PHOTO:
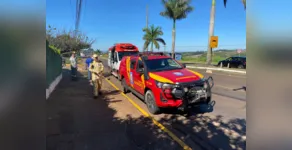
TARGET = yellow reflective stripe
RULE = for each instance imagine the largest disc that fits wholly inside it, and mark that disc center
(159, 78)
(143, 81)
(196, 73)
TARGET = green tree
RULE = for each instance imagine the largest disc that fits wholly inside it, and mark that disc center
(98, 51)
(176, 10)
(152, 36)
(68, 41)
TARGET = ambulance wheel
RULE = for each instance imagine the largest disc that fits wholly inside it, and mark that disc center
(151, 102)
(125, 87)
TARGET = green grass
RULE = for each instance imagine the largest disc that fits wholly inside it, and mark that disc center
(201, 57)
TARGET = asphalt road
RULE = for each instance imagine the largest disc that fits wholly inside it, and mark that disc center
(224, 127)
(227, 84)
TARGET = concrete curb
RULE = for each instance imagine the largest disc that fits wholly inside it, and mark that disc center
(53, 86)
(218, 69)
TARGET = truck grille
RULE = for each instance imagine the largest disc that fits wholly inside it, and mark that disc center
(190, 85)
(192, 89)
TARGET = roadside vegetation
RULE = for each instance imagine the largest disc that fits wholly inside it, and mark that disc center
(201, 56)
(66, 41)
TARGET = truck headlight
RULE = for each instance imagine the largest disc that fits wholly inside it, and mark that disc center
(164, 85)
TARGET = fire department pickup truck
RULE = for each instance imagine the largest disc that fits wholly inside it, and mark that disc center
(162, 82)
(116, 53)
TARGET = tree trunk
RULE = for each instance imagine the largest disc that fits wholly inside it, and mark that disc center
(173, 39)
(211, 33)
(151, 46)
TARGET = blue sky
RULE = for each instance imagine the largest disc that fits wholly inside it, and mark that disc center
(112, 21)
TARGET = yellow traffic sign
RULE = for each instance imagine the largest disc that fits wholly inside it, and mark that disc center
(214, 41)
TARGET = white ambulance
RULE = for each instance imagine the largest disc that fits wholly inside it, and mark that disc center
(117, 52)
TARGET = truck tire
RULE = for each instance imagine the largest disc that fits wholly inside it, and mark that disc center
(125, 86)
(151, 103)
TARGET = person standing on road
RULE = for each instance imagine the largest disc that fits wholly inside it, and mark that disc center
(96, 68)
(88, 61)
(73, 63)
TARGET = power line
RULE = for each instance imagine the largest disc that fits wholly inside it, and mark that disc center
(78, 12)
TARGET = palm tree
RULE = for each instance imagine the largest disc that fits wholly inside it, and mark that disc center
(211, 27)
(243, 2)
(176, 10)
(152, 36)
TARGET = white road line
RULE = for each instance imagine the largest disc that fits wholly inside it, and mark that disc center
(218, 69)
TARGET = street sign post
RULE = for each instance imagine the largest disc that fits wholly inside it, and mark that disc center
(214, 41)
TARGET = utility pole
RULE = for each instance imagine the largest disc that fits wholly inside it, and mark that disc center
(211, 32)
(147, 20)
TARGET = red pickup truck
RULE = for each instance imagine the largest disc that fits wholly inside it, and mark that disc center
(162, 82)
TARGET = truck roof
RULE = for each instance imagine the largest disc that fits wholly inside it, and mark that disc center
(122, 47)
(151, 55)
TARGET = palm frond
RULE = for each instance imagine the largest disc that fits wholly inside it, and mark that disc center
(146, 44)
(152, 36)
(160, 40)
(176, 9)
(156, 44)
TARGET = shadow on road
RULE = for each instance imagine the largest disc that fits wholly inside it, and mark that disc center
(76, 121)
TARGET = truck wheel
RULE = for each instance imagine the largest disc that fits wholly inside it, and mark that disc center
(151, 102)
(125, 87)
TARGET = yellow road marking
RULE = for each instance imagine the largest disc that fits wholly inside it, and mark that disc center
(162, 127)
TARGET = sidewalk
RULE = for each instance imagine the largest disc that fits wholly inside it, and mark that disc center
(76, 121)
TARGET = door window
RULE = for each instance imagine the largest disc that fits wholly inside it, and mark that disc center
(140, 64)
(132, 63)
(229, 59)
(115, 57)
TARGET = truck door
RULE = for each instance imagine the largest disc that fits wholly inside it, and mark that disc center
(139, 78)
(131, 71)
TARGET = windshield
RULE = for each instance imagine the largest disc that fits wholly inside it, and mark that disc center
(122, 54)
(162, 64)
